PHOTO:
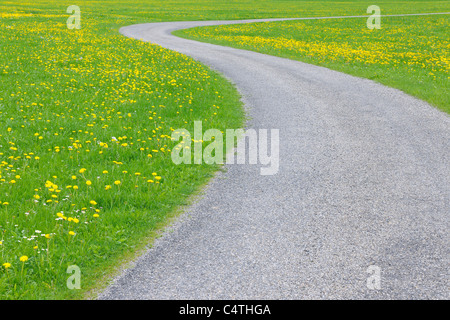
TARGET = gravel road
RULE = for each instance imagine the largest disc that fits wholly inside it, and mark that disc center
(363, 180)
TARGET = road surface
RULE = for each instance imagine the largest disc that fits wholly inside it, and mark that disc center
(363, 186)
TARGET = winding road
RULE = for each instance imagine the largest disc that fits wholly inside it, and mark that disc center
(363, 180)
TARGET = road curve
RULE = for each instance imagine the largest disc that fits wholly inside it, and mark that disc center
(363, 181)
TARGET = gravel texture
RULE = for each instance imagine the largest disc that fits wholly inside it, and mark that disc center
(363, 180)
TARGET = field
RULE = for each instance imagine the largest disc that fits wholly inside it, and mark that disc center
(86, 176)
(408, 53)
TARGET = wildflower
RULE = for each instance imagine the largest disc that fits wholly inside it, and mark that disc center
(71, 233)
(23, 258)
(7, 265)
(117, 182)
(82, 170)
(92, 202)
(89, 182)
(96, 215)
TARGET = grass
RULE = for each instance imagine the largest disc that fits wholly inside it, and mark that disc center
(408, 53)
(85, 146)
(86, 176)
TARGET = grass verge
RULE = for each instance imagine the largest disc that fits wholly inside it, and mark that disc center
(85, 146)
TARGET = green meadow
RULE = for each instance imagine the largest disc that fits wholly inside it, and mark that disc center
(409, 53)
(86, 176)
